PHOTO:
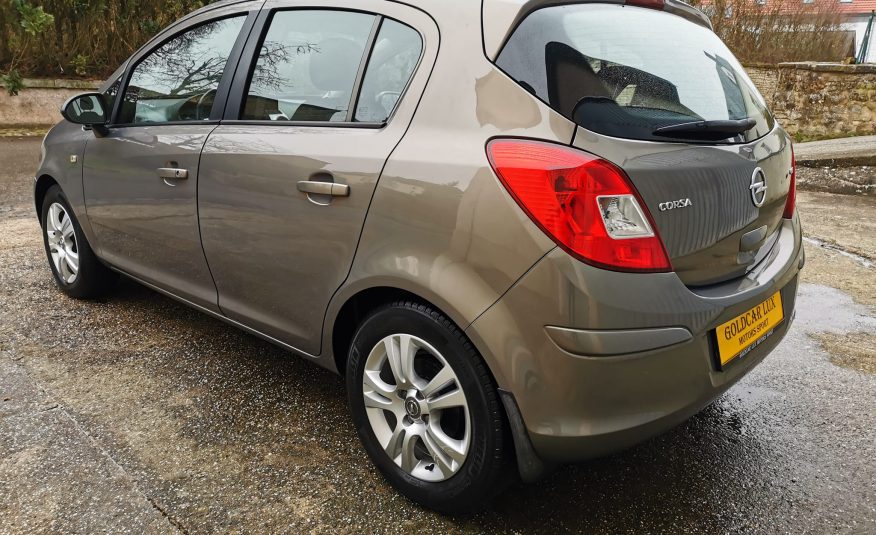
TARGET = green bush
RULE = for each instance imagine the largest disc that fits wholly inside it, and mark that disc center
(85, 38)
(13, 82)
(90, 38)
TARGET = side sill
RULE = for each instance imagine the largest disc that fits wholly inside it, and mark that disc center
(235, 323)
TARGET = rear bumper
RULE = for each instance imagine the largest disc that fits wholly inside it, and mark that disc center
(624, 356)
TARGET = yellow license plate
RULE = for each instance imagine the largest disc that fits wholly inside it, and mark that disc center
(747, 330)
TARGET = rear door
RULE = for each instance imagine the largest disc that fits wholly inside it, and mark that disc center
(286, 179)
(140, 179)
(716, 198)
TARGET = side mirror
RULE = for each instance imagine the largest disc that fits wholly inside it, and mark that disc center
(86, 109)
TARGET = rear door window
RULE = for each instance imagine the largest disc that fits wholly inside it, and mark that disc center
(626, 71)
(307, 66)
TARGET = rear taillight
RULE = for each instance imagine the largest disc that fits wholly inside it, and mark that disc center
(791, 203)
(585, 204)
(652, 4)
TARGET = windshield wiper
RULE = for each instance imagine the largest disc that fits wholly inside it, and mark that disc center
(710, 130)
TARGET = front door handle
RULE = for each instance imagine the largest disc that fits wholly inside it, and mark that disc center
(324, 188)
(172, 172)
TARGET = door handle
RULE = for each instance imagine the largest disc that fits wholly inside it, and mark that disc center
(324, 188)
(172, 172)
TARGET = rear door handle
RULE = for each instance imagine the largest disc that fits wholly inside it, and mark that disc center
(172, 172)
(324, 188)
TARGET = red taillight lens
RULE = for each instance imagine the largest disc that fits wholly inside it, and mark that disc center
(651, 4)
(791, 203)
(585, 204)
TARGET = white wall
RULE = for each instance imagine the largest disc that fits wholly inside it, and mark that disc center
(859, 24)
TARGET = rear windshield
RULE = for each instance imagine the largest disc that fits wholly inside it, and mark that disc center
(626, 71)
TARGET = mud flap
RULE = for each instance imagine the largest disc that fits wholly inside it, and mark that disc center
(531, 467)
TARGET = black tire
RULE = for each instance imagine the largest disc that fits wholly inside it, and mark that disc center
(93, 279)
(488, 467)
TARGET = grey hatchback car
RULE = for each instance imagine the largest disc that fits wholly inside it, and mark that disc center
(528, 232)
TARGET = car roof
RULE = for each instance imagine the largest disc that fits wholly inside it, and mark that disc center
(213, 5)
(501, 17)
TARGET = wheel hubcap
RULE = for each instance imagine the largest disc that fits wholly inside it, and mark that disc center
(62, 243)
(416, 407)
(412, 407)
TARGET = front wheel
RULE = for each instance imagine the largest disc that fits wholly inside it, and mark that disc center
(426, 409)
(75, 267)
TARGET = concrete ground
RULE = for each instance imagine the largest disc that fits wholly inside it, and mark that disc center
(136, 414)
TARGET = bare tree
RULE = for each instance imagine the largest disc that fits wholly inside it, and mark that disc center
(780, 30)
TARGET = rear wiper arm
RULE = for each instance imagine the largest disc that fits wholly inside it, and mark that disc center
(711, 130)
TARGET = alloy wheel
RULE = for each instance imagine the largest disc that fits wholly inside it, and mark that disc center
(62, 243)
(416, 407)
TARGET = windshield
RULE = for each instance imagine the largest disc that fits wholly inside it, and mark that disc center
(626, 71)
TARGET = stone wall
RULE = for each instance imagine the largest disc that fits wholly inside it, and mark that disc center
(811, 100)
(38, 103)
(820, 100)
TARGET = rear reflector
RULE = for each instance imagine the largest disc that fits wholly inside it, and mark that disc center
(585, 204)
(791, 203)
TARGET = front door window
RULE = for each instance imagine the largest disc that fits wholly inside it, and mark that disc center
(178, 81)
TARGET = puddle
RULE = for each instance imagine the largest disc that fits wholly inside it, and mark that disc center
(866, 262)
(843, 329)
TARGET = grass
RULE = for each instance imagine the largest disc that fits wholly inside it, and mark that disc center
(26, 130)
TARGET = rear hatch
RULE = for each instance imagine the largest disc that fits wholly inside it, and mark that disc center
(664, 99)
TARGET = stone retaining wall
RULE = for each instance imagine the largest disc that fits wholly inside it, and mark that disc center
(820, 100)
(811, 100)
(38, 103)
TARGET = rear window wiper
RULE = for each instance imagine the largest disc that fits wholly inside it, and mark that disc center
(710, 130)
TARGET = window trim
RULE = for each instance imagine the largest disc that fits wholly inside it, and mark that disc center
(320, 124)
(363, 65)
(249, 57)
(222, 90)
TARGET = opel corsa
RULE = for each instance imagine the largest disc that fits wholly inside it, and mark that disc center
(527, 232)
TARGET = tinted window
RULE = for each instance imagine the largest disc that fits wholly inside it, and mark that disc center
(625, 71)
(307, 66)
(178, 81)
(393, 59)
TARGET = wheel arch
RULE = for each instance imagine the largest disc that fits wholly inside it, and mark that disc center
(356, 308)
(42, 185)
(362, 302)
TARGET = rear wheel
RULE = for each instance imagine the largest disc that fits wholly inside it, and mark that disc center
(426, 409)
(76, 269)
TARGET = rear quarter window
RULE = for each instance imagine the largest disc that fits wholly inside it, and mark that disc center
(394, 58)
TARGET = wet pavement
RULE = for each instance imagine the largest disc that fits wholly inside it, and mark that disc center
(136, 414)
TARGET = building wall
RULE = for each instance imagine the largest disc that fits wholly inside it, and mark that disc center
(858, 23)
(818, 100)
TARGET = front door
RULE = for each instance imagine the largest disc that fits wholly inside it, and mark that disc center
(141, 179)
(286, 182)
